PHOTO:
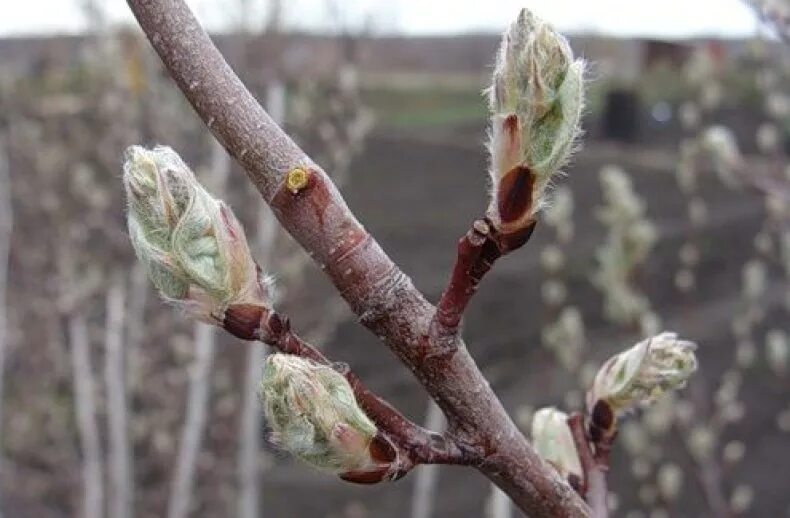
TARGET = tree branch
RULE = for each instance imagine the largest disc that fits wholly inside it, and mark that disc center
(478, 249)
(415, 444)
(381, 295)
(594, 484)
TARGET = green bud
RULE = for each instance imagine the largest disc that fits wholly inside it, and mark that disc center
(536, 100)
(641, 374)
(552, 439)
(192, 246)
(313, 414)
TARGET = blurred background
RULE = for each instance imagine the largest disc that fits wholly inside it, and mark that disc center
(675, 214)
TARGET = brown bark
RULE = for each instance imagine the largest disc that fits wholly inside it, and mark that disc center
(382, 296)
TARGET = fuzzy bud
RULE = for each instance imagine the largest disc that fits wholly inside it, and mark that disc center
(553, 441)
(639, 375)
(536, 100)
(314, 415)
(190, 243)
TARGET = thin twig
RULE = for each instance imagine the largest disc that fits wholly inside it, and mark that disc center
(85, 403)
(593, 486)
(415, 444)
(120, 458)
(478, 249)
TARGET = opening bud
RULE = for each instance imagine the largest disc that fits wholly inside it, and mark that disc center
(641, 374)
(553, 441)
(536, 100)
(313, 414)
(191, 244)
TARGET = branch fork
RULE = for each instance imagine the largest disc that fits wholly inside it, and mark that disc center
(482, 434)
(401, 443)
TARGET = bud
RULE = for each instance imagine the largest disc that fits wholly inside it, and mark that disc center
(314, 415)
(553, 441)
(536, 100)
(644, 372)
(193, 248)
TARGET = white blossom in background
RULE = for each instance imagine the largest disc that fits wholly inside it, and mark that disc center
(720, 144)
(755, 280)
(777, 351)
(701, 442)
(553, 292)
(552, 259)
(777, 105)
(670, 481)
(630, 239)
(733, 452)
(566, 338)
(689, 115)
(768, 139)
(741, 499)
(559, 213)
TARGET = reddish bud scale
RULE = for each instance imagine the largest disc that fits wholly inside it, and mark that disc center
(244, 321)
(602, 429)
(514, 194)
(382, 451)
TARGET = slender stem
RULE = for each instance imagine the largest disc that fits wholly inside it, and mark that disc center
(382, 296)
(594, 485)
(576, 424)
(416, 444)
(478, 249)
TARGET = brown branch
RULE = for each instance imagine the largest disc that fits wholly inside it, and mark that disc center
(382, 296)
(415, 445)
(593, 486)
(478, 249)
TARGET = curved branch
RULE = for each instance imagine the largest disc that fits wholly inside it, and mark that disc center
(415, 444)
(381, 295)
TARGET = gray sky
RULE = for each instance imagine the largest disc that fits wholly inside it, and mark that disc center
(671, 18)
